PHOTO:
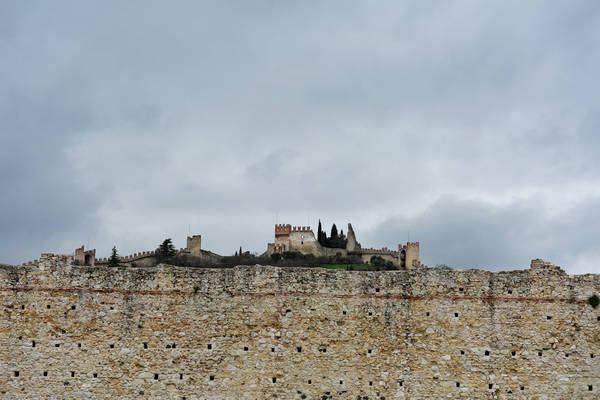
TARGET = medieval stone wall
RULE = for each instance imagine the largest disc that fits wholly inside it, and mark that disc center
(299, 333)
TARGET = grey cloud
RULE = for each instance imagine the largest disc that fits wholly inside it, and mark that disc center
(140, 119)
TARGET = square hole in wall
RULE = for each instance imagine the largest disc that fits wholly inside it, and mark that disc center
(57, 345)
(370, 383)
(456, 315)
(592, 355)
(209, 346)
(48, 306)
(370, 313)
(155, 377)
(369, 351)
(461, 289)
(590, 388)
(539, 353)
(112, 346)
(457, 384)
(299, 349)
(272, 349)
(72, 374)
(45, 373)
(72, 307)
(274, 380)
(341, 382)
(309, 382)
(548, 317)
(95, 375)
(16, 373)
(180, 376)
(427, 313)
(344, 312)
(212, 377)
(491, 386)
(22, 307)
(462, 352)
(522, 387)
(509, 291)
(145, 345)
(513, 353)
(245, 348)
(377, 290)
(78, 344)
(487, 352)
(33, 343)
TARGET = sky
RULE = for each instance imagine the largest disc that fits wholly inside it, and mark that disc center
(472, 127)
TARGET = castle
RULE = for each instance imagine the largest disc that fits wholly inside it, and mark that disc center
(302, 239)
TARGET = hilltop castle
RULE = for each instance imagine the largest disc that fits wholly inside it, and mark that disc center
(302, 239)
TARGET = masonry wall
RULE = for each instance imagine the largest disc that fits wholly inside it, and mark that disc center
(267, 332)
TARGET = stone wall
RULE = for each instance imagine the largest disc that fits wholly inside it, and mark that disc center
(299, 333)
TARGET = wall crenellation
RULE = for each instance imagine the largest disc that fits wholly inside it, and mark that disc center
(267, 332)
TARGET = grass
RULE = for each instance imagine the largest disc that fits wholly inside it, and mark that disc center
(344, 266)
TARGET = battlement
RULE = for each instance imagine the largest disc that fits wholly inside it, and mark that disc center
(282, 229)
(301, 229)
(383, 250)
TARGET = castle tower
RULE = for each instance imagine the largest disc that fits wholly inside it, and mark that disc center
(194, 245)
(83, 257)
(412, 255)
(351, 245)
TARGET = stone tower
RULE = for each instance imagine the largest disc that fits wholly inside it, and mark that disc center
(351, 245)
(194, 245)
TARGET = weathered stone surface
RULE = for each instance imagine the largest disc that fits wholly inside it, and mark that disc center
(266, 332)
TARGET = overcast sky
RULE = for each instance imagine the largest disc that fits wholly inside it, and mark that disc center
(472, 126)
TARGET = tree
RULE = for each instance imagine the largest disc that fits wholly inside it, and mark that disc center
(334, 232)
(321, 236)
(166, 249)
(275, 257)
(113, 260)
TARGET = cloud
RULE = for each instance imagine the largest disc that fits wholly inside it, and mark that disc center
(128, 123)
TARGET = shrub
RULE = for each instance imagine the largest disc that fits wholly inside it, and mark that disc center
(594, 301)
(275, 257)
(291, 255)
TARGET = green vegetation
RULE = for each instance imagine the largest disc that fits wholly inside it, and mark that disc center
(381, 263)
(351, 267)
(113, 261)
(166, 249)
(594, 301)
(335, 240)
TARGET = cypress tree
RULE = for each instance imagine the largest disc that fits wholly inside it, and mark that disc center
(334, 232)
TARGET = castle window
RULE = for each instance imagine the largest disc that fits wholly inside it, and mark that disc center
(299, 349)
(370, 313)
(57, 345)
(457, 384)
(590, 388)
(455, 315)
(369, 351)
(513, 353)
(487, 352)
(45, 373)
(309, 382)
(17, 374)
(274, 379)
(112, 346)
(48, 306)
(377, 290)
(344, 312)
(566, 354)
(491, 386)
(245, 348)
(370, 383)
(272, 349)
(212, 377)
(95, 375)
(427, 313)
(522, 387)
(209, 346)
(341, 382)
(72, 307)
